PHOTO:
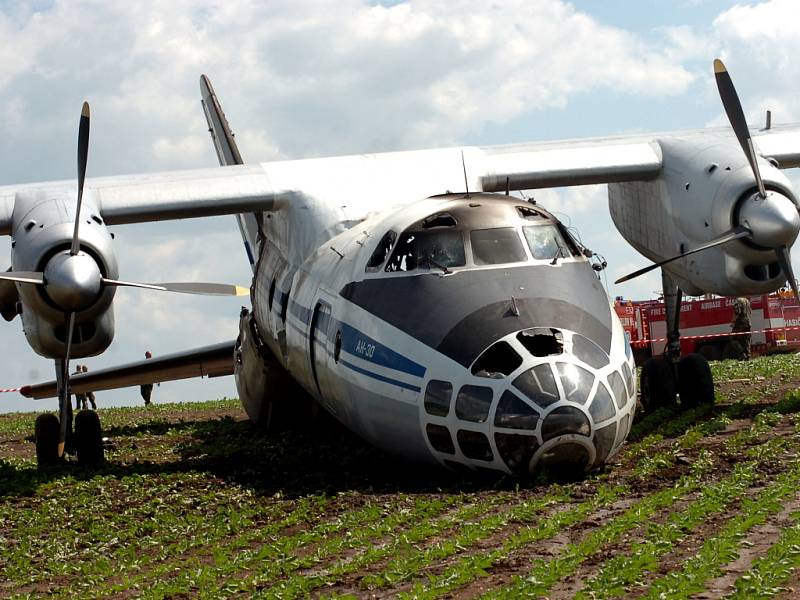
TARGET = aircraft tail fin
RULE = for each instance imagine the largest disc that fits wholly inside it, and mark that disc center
(228, 154)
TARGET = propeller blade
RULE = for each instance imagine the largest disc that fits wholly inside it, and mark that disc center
(733, 108)
(33, 277)
(785, 261)
(64, 400)
(83, 155)
(733, 234)
(204, 289)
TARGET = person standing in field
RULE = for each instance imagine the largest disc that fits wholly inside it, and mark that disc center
(741, 325)
(147, 388)
(88, 395)
(80, 399)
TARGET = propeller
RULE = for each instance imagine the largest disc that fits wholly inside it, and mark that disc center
(71, 266)
(734, 234)
(73, 281)
(768, 219)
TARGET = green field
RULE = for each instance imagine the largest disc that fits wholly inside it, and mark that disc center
(194, 501)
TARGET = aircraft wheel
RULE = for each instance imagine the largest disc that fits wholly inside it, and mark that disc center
(88, 438)
(657, 384)
(733, 351)
(695, 383)
(46, 434)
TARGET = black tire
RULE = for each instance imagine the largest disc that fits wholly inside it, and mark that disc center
(46, 433)
(695, 383)
(657, 384)
(710, 352)
(733, 351)
(88, 438)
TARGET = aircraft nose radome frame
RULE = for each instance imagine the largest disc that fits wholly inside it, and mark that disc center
(568, 407)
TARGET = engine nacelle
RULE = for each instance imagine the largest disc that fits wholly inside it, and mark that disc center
(706, 188)
(42, 231)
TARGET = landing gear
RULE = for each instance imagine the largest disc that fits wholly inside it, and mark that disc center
(88, 438)
(657, 384)
(695, 383)
(664, 376)
(46, 433)
(55, 437)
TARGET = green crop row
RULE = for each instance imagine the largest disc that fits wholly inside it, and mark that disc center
(466, 535)
(475, 565)
(266, 563)
(768, 572)
(724, 547)
(302, 584)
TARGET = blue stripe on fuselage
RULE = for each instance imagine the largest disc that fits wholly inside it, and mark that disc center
(360, 345)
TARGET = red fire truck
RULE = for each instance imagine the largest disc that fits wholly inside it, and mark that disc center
(706, 326)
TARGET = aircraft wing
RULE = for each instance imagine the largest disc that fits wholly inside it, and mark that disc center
(209, 361)
(262, 187)
(160, 196)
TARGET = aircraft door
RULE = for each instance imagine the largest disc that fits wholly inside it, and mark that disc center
(318, 342)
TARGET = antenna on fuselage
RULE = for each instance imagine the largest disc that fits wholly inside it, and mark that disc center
(464, 167)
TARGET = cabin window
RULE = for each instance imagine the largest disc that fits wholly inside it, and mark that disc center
(576, 381)
(496, 246)
(539, 385)
(526, 212)
(565, 420)
(589, 352)
(497, 361)
(602, 407)
(618, 387)
(604, 441)
(516, 450)
(628, 378)
(381, 252)
(541, 341)
(546, 242)
(440, 439)
(434, 250)
(474, 445)
(473, 402)
(437, 398)
(514, 413)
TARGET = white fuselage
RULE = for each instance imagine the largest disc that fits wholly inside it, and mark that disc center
(368, 342)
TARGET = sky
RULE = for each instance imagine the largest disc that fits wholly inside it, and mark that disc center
(312, 78)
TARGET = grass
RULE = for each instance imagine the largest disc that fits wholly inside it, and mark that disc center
(194, 501)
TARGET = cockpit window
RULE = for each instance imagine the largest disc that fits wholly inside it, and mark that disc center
(381, 252)
(546, 242)
(439, 220)
(496, 246)
(427, 250)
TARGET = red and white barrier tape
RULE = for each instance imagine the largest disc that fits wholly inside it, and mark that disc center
(716, 335)
(9, 390)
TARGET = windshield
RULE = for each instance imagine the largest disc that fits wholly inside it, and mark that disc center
(546, 242)
(496, 246)
(427, 250)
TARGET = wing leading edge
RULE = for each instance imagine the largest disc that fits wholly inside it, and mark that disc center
(249, 188)
(209, 361)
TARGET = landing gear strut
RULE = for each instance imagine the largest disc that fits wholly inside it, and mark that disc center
(664, 376)
(55, 437)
